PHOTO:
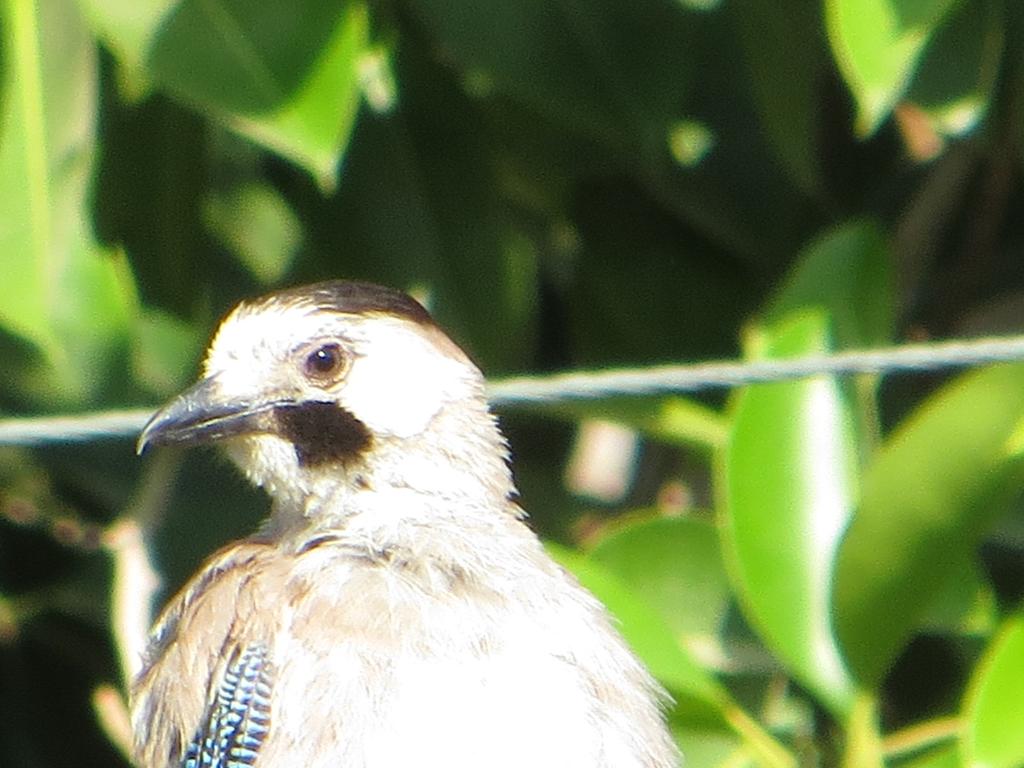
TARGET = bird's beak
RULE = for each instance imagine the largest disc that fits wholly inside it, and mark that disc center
(201, 414)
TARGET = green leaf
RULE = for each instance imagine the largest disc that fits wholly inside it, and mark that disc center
(284, 77)
(958, 70)
(701, 701)
(942, 757)
(94, 316)
(847, 273)
(925, 499)
(787, 480)
(876, 44)
(675, 566)
(256, 224)
(59, 292)
(966, 604)
(994, 707)
(164, 352)
(128, 27)
(313, 126)
(32, 141)
(699, 695)
(705, 747)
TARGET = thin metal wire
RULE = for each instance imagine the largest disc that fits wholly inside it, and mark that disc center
(577, 385)
(717, 375)
(100, 425)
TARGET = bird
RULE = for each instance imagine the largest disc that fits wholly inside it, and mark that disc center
(395, 608)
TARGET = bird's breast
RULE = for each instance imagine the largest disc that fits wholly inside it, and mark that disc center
(414, 664)
(380, 658)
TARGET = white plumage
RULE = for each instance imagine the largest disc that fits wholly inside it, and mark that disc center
(395, 607)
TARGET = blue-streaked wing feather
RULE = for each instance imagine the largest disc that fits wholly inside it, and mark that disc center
(239, 717)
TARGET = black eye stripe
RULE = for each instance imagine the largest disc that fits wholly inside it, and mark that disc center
(322, 432)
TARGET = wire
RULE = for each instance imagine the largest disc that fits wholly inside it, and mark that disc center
(717, 375)
(100, 425)
(577, 385)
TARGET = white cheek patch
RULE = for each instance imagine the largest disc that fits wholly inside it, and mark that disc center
(399, 380)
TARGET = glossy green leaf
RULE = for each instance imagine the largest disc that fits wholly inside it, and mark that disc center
(700, 700)
(787, 480)
(59, 291)
(876, 44)
(942, 757)
(965, 604)
(675, 565)
(696, 691)
(706, 747)
(35, 136)
(128, 27)
(846, 272)
(925, 499)
(958, 70)
(994, 707)
(313, 124)
(285, 77)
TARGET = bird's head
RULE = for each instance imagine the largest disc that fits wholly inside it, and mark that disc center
(339, 385)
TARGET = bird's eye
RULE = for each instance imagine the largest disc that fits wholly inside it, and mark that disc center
(325, 363)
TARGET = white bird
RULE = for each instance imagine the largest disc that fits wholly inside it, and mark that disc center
(395, 610)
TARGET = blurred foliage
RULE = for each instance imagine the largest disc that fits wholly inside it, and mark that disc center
(821, 572)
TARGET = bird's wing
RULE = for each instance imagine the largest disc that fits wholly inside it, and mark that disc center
(239, 717)
(203, 698)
